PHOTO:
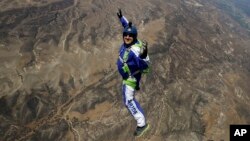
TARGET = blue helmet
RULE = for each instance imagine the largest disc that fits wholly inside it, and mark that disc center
(130, 30)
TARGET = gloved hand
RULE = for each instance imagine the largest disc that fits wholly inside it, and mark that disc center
(119, 13)
(144, 50)
(144, 43)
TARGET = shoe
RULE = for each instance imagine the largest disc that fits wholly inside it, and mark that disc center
(141, 130)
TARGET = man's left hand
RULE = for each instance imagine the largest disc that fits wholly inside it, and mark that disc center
(119, 13)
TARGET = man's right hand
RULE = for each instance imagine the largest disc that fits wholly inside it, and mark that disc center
(119, 13)
(144, 50)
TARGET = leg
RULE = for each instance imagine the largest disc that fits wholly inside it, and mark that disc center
(132, 105)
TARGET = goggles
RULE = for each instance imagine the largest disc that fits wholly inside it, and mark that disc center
(128, 34)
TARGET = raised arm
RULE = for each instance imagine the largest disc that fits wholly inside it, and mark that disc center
(122, 18)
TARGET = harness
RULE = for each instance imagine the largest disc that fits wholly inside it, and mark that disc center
(124, 61)
(131, 81)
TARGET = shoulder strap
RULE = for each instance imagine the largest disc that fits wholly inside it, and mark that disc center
(124, 58)
(139, 43)
(125, 55)
(140, 49)
(136, 48)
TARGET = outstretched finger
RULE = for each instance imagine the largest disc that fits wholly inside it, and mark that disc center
(120, 11)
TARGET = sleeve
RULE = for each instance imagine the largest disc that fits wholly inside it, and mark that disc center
(124, 21)
(141, 63)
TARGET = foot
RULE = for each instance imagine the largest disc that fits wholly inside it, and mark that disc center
(141, 130)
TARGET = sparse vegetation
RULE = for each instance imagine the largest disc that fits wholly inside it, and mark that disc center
(237, 12)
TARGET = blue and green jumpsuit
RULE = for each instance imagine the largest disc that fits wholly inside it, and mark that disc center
(131, 66)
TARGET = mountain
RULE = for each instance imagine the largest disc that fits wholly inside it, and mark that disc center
(59, 81)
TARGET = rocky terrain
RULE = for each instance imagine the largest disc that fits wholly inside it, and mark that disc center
(58, 77)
